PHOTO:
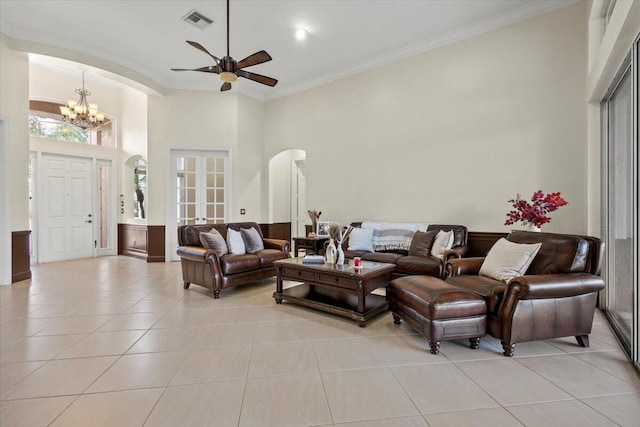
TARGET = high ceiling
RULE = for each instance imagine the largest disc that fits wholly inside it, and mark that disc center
(344, 36)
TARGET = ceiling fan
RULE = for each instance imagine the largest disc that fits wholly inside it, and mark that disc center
(229, 69)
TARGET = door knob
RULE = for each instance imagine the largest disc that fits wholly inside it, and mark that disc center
(88, 221)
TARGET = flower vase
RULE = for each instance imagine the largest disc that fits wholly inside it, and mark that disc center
(532, 227)
(330, 252)
(340, 256)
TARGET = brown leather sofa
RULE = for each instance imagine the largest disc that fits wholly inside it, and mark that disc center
(203, 267)
(555, 298)
(411, 265)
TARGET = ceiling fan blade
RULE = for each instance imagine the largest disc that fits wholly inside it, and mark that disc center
(255, 59)
(226, 86)
(209, 69)
(201, 48)
(257, 78)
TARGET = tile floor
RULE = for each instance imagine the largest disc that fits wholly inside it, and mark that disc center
(117, 342)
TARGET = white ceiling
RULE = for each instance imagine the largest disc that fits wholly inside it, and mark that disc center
(344, 36)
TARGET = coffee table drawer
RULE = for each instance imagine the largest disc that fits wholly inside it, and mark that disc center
(296, 274)
(328, 279)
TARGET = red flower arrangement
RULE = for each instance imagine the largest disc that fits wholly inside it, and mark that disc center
(535, 212)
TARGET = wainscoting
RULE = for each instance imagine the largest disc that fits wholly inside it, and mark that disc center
(20, 256)
(277, 230)
(142, 241)
(480, 242)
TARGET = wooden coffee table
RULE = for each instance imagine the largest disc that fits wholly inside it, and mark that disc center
(336, 289)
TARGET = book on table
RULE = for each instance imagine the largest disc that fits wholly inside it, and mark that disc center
(313, 259)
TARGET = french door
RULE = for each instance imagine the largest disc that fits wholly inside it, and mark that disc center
(200, 189)
(621, 193)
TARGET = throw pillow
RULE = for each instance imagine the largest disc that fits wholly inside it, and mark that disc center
(235, 242)
(442, 243)
(252, 240)
(213, 240)
(361, 239)
(507, 260)
(422, 242)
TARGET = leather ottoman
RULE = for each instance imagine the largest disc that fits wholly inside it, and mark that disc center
(438, 310)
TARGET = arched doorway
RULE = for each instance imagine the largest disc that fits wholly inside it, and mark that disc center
(287, 190)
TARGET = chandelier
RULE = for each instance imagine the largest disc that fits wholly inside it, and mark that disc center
(80, 113)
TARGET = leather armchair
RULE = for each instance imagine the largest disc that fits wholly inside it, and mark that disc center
(555, 298)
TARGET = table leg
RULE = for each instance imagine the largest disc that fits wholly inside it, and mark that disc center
(278, 286)
(295, 249)
(360, 297)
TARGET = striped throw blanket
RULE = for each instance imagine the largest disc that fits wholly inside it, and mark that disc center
(393, 236)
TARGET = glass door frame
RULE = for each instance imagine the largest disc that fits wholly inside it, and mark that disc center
(630, 68)
(111, 209)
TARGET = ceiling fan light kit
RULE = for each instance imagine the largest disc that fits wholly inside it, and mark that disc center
(229, 69)
(228, 77)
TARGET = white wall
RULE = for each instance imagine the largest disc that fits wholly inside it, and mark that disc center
(14, 107)
(185, 120)
(450, 135)
(133, 128)
(248, 161)
(280, 187)
(205, 121)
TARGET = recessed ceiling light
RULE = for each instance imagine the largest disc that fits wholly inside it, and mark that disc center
(301, 34)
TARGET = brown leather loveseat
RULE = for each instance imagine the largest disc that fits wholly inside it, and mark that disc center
(204, 267)
(555, 298)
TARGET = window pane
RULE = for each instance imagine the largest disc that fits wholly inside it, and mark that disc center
(191, 179)
(190, 163)
(191, 211)
(191, 195)
(104, 207)
(621, 212)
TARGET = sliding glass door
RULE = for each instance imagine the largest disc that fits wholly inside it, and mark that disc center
(620, 203)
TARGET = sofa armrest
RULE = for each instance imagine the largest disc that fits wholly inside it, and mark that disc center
(555, 285)
(193, 253)
(281, 245)
(457, 252)
(467, 266)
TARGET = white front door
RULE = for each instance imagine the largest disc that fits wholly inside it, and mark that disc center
(65, 229)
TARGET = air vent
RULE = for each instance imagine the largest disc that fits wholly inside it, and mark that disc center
(197, 19)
